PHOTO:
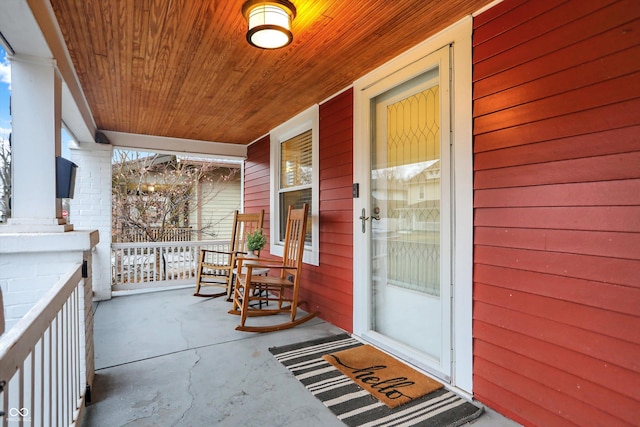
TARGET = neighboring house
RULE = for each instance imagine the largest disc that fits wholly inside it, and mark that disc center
(531, 303)
(167, 197)
(221, 195)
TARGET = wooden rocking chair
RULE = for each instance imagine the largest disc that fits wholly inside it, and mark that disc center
(215, 268)
(283, 289)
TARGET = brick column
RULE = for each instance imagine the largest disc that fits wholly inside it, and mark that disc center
(91, 207)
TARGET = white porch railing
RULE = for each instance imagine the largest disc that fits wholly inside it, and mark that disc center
(155, 264)
(42, 360)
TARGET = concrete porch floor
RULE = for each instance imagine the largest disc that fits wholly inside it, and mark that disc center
(171, 359)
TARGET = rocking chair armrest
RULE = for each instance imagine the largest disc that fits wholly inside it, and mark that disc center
(278, 266)
(213, 251)
(259, 262)
(249, 268)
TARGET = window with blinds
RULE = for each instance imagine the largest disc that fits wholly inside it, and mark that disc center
(296, 161)
(294, 180)
(296, 177)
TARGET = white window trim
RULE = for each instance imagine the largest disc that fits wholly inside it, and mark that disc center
(308, 119)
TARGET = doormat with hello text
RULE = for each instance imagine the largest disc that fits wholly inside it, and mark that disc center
(382, 375)
(356, 406)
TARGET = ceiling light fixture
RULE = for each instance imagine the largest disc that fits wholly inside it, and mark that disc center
(269, 23)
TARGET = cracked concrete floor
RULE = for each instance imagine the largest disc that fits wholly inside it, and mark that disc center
(170, 359)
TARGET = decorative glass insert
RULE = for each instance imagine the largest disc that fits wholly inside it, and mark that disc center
(409, 183)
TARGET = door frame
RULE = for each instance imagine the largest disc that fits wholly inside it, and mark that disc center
(395, 87)
(398, 70)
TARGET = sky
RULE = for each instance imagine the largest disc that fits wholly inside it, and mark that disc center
(5, 85)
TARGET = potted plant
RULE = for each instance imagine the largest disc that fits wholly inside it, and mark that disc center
(256, 241)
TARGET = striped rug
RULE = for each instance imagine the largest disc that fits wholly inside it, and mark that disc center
(355, 406)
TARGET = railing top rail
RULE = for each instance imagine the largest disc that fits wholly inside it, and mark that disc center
(18, 341)
(168, 244)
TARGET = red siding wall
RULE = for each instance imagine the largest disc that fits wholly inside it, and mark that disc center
(329, 286)
(256, 181)
(557, 211)
(333, 279)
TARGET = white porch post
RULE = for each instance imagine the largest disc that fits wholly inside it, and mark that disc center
(36, 103)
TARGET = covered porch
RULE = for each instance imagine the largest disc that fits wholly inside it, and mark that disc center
(539, 196)
(167, 358)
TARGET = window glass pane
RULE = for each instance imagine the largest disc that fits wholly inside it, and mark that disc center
(295, 161)
(297, 199)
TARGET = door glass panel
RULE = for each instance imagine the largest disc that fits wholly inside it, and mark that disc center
(406, 194)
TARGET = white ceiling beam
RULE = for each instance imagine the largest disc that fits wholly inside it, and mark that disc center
(176, 145)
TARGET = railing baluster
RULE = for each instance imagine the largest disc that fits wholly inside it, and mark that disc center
(154, 265)
(144, 264)
(175, 263)
(131, 262)
(167, 261)
(48, 417)
(151, 265)
(135, 265)
(122, 264)
(65, 363)
(5, 404)
(69, 362)
(56, 379)
(178, 263)
(75, 343)
(122, 261)
(161, 263)
(62, 407)
(53, 372)
(41, 377)
(20, 402)
(125, 262)
(32, 381)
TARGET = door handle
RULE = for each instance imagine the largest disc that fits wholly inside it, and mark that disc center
(364, 219)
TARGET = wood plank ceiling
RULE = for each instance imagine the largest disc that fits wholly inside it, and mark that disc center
(182, 68)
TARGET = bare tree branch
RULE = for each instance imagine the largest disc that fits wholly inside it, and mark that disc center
(5, 179)
(154, 196)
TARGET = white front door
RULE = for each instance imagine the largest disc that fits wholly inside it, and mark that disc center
(406, 215)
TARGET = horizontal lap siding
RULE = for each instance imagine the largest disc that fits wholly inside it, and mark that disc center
(333, 279)
(219, 199)
(328, 287)
(557, 211)
(256, 184)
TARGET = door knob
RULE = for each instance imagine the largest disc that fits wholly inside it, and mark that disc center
(376, 214)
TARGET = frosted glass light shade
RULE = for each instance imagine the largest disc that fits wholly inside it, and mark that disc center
(269, 23)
